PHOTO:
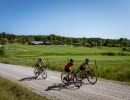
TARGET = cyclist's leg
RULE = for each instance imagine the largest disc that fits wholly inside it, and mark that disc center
(68, 74)
(39, 68)
(68, 71)
(82, 70)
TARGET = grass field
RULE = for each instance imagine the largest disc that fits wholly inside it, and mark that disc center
(14, 91)
(109, 67)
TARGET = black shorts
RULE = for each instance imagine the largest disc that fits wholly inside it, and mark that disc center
(82, 68)
(67, 70)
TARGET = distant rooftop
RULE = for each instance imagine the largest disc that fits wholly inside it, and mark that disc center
(36, 42)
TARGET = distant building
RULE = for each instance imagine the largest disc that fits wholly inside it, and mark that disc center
(87, 45)
(47, 43)
(36, 43)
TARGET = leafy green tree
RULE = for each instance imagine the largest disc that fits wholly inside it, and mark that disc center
(11, 41)
(3, 41)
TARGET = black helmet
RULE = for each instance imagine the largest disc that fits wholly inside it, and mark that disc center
(87, 60)
(71, 60)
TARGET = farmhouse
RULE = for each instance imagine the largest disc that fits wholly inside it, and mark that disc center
(47, 43)
(39, 43)
(87, 45)
(36, 43)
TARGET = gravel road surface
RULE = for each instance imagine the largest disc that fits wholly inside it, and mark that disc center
(53, 88)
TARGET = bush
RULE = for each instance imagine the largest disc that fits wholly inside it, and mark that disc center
(109, 53)
(2, 51)
(129, 49)
(124, 49)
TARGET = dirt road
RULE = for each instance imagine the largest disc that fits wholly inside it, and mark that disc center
(53, 88)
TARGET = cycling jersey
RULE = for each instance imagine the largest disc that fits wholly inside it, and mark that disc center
(69, 65)
(39, 62)
(84, 64)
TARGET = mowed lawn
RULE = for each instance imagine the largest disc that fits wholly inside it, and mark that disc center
(56, 56)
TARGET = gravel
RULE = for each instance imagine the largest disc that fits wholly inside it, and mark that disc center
(53, 88)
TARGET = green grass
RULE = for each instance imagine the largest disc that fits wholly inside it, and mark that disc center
(13, 91)
(58, 50)
(109, 67)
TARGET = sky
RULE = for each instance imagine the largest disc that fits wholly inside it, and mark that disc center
(70, 18)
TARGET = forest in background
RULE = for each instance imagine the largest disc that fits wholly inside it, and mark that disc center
(61, 40)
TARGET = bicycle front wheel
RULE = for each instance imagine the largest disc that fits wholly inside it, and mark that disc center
(44, 74)
(92, 78)
(77, 81)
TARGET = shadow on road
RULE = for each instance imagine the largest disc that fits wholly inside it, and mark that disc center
(59, 86)
(84, 83)
(30, 78)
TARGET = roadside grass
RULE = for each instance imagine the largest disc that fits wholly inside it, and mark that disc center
(109, 67)
(13, 91)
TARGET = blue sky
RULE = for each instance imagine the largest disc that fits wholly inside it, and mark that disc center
(71, 18)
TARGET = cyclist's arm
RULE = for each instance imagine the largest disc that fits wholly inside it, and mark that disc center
(87, 68)
(72, 68)
(41, 63)
(90, 67)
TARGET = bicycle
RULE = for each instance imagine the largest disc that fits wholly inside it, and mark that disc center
(41, 71)
(72, 77)
(90, 75)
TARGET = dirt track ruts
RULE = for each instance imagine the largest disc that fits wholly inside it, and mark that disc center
(54, 89)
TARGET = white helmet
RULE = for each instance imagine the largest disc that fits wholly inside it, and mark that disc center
(40, 58)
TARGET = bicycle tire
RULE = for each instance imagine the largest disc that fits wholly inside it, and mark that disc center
(63, 76)
(44, 74)
(92, 78)
(77, 82)
(36, 73)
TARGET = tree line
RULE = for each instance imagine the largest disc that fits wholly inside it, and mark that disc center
(61, 40)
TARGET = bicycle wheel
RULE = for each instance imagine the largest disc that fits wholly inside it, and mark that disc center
(63, 78)
(77, 81)
(44, 74)
(92, 78)
(36, 73)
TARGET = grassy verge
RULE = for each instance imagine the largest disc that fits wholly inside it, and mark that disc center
(13, 91)
(111, 68)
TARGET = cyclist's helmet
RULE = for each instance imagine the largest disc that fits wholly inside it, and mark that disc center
(87, 60)
(40, 58)
(71, 60)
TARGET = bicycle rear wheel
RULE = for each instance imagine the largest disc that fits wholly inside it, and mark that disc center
(92, 78)
(77, 81)
(36, 73)
(44, 74)
(63, 78)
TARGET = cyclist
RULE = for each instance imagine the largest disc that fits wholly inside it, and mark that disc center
(39, 63)
(85, 66)
(68, 66)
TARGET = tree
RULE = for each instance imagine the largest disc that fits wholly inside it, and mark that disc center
(11, 41)
(3, 41)
(99, 43)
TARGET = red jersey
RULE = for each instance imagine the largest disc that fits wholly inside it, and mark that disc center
(69, 65)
